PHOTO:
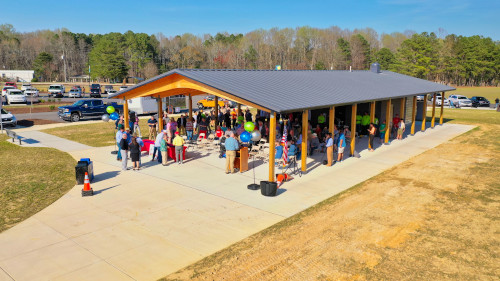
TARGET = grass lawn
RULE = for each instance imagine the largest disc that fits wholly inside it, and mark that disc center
(490, 93)
(31, 179)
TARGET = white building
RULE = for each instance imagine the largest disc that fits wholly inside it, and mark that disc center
(18, 75)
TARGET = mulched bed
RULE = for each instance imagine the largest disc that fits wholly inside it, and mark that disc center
(35, 109)
(31, 122)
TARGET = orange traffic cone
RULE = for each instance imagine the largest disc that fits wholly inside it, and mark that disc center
(87, 190)
(281, 178)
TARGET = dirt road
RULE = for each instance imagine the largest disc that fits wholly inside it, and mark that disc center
(434, 217)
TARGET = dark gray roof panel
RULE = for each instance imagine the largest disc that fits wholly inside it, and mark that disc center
(288, 90)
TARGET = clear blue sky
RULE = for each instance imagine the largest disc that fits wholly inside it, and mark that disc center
(463, 17)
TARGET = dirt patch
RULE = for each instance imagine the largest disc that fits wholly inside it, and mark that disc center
(433, 217)
(31, 122)
(35, 109)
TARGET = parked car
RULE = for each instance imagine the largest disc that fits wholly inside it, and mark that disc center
(209, 102)
(112, 92)
(86, 108)
(95, 91)
(439, 99)
(57, 91)
(6, 88)
(15, 95)
(123, 87)
(12, 84)
(75, 93)
(460, 100)
(420, 98)
(7, 118)
(25, 86)
(479, 101)
(108, 88)
(31, 92)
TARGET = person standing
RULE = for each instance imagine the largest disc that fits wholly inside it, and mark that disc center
(329, 148)
(181, 124)
(135, 153)
(313, 144)
(365, 122)
(497, 101)
(341, 146)
(371, 135)
(158, 140)
(189, 128)
(124, 150)
(178, 143)
(141, 145)
(382, 130)
(137, 129)
(248, 115)
(118, 137)
(395, 125)
(163, 157)
(401, 129)
(232, 146)
(202, 127)
(152, 127)
(234, 115)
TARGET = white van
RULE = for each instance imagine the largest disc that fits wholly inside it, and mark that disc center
(25, 86)
(144, 105)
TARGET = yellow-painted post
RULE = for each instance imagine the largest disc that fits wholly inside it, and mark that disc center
(160, 115)
(331, 120)
(216, 111)
(305, 133)
(442, 109)
(424, 113)
(125, 114)
(433, 110)
(190, 105)
(372, 112)
(387, 121)
(402, 108)
(413, 115)
(272, 148)
(354, 110)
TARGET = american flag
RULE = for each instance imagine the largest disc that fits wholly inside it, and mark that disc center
(285, 146)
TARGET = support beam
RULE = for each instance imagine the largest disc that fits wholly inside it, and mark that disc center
(331, 120)
(372, 111)
(190, 106)
(354, 110)
(433, 110)
(160, 115)
(125, 114)
(272, 148)
(305, 131)
(387, 121)
(442, 109)
(216, 107)
(239, 111)
(402, 108)
(424, 113)
(413, 115)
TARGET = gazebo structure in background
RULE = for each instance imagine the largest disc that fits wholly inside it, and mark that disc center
(335, 92)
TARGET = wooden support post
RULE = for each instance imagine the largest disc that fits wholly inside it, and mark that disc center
(125, 114)
(372, 112)
(190, 106)
(354, 110)
(272, 148)
(433, 110)
(160, 115)
(216, 112)
(331, 120)
(442, 109)
(387, 121)
(424, 113)
(239, 111)
(413, 115)
(402, 109)
(305, 133)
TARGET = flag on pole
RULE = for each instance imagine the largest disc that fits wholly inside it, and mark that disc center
(285, 146)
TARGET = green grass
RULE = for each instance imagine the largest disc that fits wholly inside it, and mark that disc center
(491, 93)
(31, 179)
(467, 116)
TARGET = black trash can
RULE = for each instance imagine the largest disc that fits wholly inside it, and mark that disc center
(81, 168)
(268, 188)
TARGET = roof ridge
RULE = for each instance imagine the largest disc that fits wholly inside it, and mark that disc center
(274, 70)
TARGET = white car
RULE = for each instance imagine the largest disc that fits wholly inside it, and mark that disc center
(5, 89)
(112, 92)
(25, 86)
(460, 100)
(15, 95)
(123, 88)
(31, 92)
(75, 93)
(7, 118)
(57, 90)
(439, 99)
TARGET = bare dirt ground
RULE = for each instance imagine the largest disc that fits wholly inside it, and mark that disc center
(31, 122)
(434, 217)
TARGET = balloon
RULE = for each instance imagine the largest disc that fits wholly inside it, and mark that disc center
(114, 116)
(245, 137)
(110, 109)
(105, 117)
(241, 118)
(256, 136)
(249, 126)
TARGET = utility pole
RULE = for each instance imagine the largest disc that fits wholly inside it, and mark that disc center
(64, 64)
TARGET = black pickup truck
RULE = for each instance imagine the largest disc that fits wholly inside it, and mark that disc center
(87, 108)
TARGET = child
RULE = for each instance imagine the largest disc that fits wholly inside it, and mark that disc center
(218, 133)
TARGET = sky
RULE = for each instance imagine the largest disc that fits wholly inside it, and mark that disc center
(461, 17)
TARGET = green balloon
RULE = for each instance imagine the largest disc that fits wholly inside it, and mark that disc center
(110, 109)
(240, 118)
(249, 126)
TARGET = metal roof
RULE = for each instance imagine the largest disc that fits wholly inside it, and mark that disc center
(293, 90)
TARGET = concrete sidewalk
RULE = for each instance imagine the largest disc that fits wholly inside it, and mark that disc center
(34, 138)
(144, 225)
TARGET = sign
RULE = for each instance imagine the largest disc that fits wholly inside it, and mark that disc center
(177, 109)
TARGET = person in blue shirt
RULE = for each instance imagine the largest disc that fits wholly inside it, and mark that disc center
(341, 145)
(292, 150)
(232, 146)
(279, 152)
(329, 148)
(119, 136)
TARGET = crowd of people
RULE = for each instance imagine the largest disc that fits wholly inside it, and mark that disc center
(229, 123)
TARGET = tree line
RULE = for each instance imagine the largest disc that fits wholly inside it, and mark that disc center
(451, 59)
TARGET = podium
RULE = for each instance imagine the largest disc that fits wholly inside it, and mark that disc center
(241, 160)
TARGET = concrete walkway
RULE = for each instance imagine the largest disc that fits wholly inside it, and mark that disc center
(144, 225)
